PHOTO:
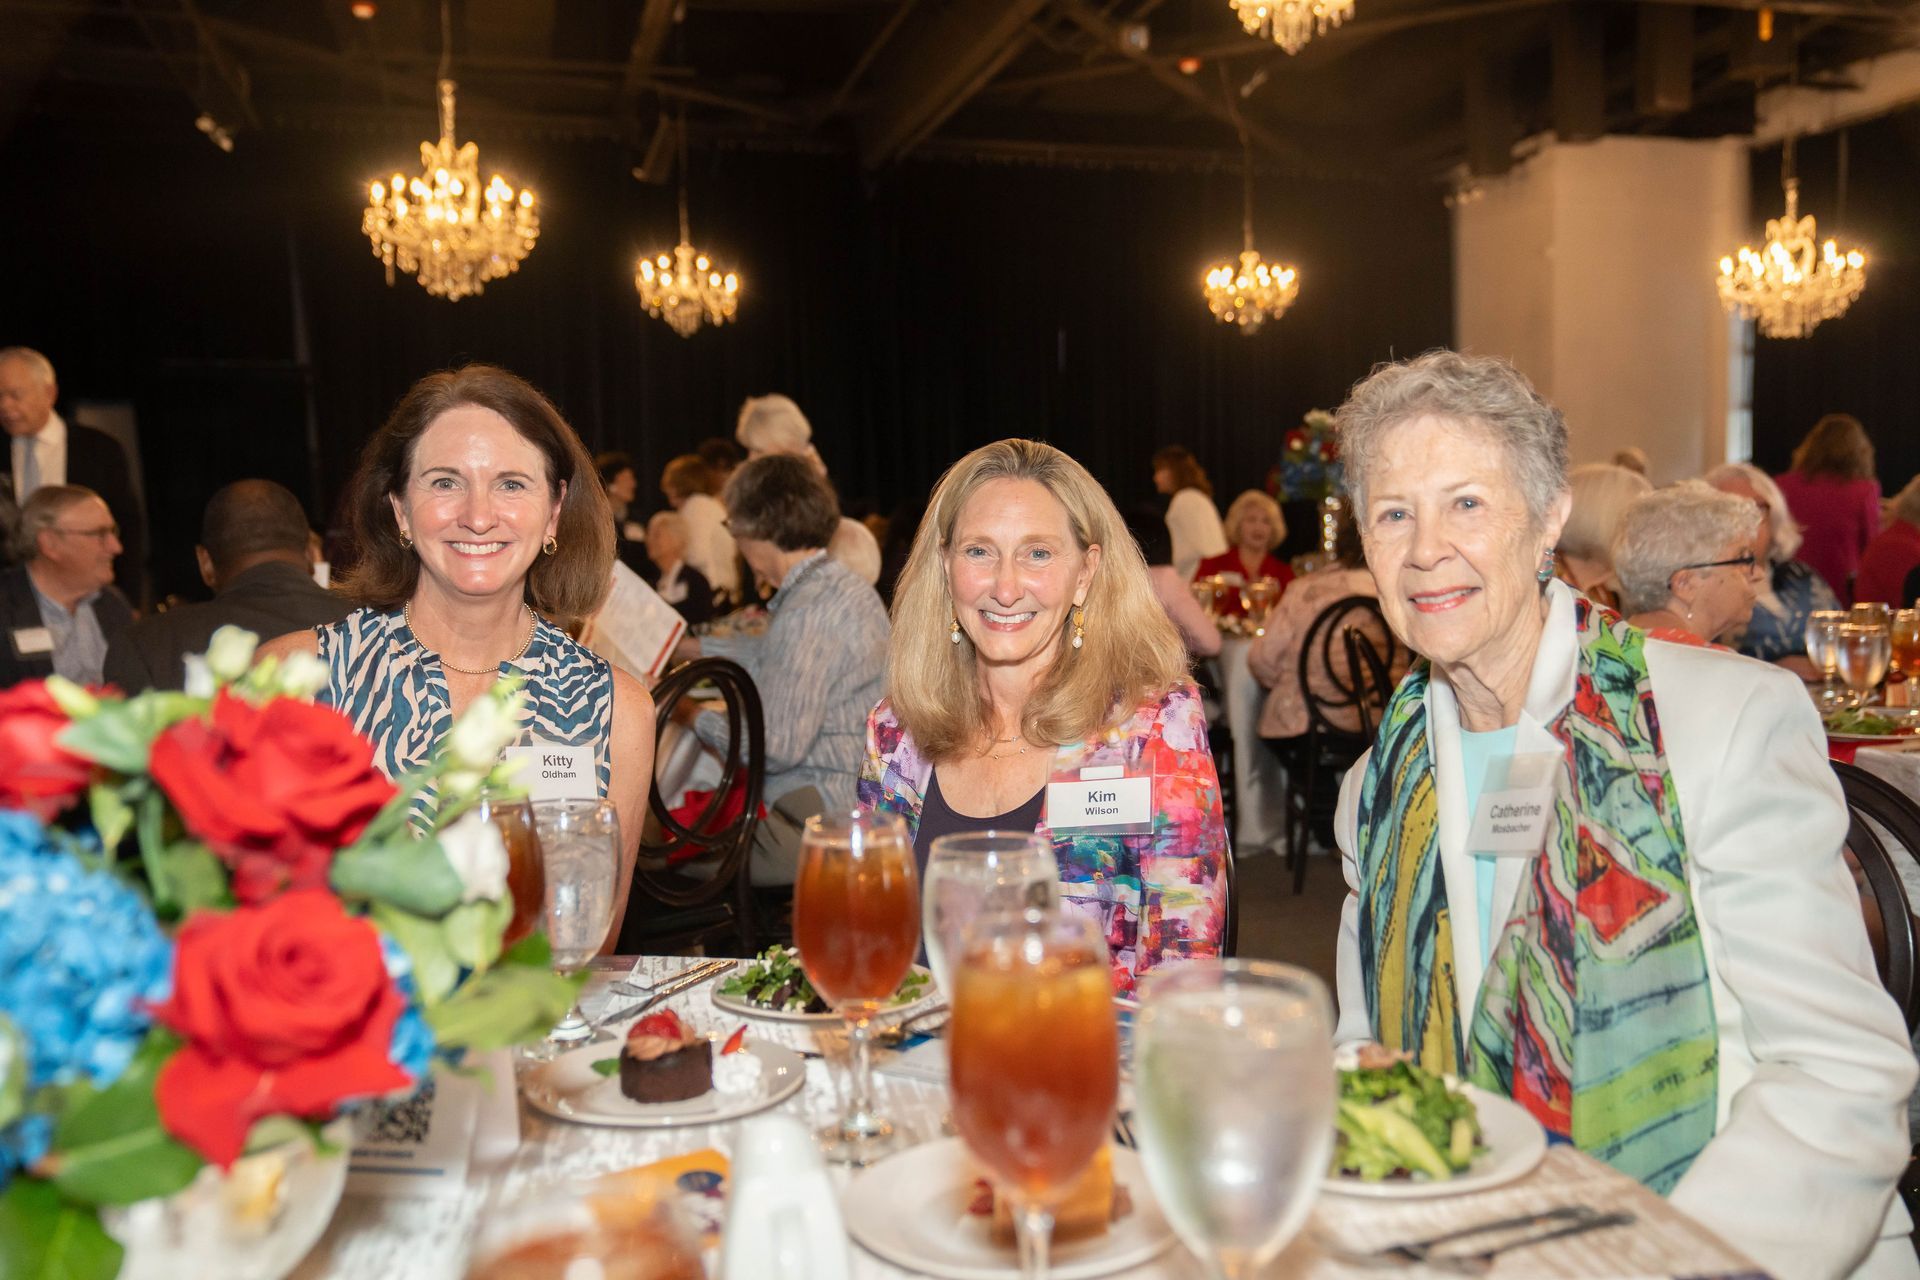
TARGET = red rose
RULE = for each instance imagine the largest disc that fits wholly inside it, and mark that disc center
(1297, 440)
(36, 773)
(285, 1008)
(274, 790)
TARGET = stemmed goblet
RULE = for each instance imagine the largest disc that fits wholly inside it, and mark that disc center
(581, 843)
(980, 873)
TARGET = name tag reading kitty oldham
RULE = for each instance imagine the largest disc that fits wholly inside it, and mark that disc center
(550, 771)
(1102, 800)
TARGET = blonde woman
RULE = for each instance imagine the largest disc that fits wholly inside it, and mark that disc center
(1583, 559)
(1027, 645)
(1192, 519)
(1254, 528)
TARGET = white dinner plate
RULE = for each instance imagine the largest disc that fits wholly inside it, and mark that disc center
(911, 1209)
(1868, 739)
(568, 1087)
(1514, 1140)
(746, 1009)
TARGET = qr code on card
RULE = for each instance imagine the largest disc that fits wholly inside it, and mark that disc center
(403, 1122)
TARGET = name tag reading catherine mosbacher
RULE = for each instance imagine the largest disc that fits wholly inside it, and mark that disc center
(552, 771)
(1102, 799)
(1511, 823)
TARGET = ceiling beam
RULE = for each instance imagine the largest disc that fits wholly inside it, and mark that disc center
(231, 73)
(880, 41)
(945, 61)
(649, 38)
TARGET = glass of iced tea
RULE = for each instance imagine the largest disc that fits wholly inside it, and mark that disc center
(856, 922)
(1906, 642)
(526, 865)
(1034, 1050)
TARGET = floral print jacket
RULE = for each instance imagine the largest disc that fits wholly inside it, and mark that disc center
(1159, 896)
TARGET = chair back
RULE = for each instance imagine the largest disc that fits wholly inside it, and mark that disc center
(1346, 661)
(1230, 937)
(1873, 802)
(722, 845)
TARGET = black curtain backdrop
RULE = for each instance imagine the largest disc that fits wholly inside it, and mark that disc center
(914, 314)
(1867, 362)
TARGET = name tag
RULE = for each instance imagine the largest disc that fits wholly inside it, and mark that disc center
(550, 771)
(1511, 823)
(28, 641)
(1102, 799)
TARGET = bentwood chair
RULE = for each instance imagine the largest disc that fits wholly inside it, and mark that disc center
(1875, 805)
(691, 884)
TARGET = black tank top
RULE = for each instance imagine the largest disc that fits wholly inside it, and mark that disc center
(938, 818)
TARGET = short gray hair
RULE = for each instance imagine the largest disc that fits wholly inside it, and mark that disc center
(41, 366)
(1602, 491)
(783, 500)
(1688, 523)
(42, 511)
(1787, 534)
(1481, 392)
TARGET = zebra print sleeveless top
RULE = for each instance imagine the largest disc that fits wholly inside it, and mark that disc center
(395, 690)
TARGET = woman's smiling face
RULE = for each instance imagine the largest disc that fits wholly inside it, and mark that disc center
(1015, 570)
(477, 503)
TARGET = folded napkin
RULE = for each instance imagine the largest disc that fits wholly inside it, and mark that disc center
(694, 805)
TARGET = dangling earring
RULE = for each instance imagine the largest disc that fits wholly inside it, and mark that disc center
(406, 540)
(1079, 625)
(1546, 568)
(550, 546)
(953, 632)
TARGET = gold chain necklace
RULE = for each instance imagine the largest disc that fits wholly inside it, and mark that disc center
(406, 616)
(1005, 755)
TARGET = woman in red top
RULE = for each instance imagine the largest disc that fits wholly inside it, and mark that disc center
(1254, 528)
(1894, 552)
(1834, 497)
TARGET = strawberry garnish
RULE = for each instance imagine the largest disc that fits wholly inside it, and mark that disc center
(980, 1204)
(665, 1025)
(735, 1042)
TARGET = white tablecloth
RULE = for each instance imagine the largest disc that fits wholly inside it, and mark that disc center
(1257, 777)
(427, 1239)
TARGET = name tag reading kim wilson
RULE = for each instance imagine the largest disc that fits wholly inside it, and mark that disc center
(554, 771)
(1103, 799)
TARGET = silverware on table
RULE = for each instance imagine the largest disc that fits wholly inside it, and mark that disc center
(692, 976)
(1567, 1220)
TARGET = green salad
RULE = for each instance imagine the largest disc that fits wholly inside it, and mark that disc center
(775, 980)
(1867, 724)
(1399, 1121)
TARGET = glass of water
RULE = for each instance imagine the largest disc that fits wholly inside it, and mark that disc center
(1234, 1097)
(978, 873)
(1823, 650)
(1863, 654)
(581, 843)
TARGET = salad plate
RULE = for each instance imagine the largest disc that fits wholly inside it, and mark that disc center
(778, 968)
(570, 1087)
(1514, 1143)
(1873, 724)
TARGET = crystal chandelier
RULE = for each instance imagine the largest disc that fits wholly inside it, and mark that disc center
(685, 288)
(1291, 23)
(1790, 286)
(1252, 292)
(443, 227)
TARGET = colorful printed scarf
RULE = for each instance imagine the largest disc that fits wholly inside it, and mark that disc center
(1595, 1013)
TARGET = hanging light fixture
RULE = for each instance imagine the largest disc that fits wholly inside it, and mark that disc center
(1794, 282)
(684, 287)
(1291, 23)
(1252, 291)
(445, 228)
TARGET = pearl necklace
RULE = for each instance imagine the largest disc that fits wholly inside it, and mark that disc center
(406, 616)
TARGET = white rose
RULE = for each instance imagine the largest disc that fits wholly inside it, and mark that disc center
(483, 732)
(200, 682)
(479, 857)
(230, 653)
(301, 675)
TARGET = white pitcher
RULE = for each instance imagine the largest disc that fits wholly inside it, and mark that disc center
(783, 1216)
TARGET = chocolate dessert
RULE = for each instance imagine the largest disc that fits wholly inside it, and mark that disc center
(665, 1061)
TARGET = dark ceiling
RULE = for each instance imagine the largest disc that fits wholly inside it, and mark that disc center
(1407, 88)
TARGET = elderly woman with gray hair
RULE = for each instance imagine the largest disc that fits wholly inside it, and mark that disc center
(774, 425)
(1777, 630)
(1662, 957)
(1690, 561)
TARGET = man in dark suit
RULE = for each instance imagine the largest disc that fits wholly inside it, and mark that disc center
(59, 610)
(253, 554)
(44, 448)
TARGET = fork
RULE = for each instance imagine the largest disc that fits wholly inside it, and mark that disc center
(1571, 1220)
(691, 976)
(641, 990)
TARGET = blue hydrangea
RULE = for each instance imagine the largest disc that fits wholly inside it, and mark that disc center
(412, 1046)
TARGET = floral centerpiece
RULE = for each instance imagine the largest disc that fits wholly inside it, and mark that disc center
(221, 928)
(1309, 466)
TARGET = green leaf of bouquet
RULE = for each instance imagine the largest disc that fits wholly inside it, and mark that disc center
(435, 971)
(196, 877)
(507, 1006)
(473, 931)
(112, 738)
(152, 823)
(45, 1236)
(533, 951)
(109, 1147)
(112, 815)
(13, 1071)
(411, 874)
(280, 1130)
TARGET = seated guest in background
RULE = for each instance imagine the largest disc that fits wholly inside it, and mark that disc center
(1833, 493)
(254, 555)
(1274, 658)
(721, 456)
(480, 528)
(1191, 518)
(774, 425)
(680, 584)
(689, 487)
(1678, 981)
(61, 610)
(1027, 644)
(1254, 527)
(629, 533)
(902, 525)
(1894, 552)
(1197, 629)
(1777, 630)
(1584, 558)
(1690, 562)
(819, 664)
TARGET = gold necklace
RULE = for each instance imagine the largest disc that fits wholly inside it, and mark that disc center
(406, 616)
(1005, 755)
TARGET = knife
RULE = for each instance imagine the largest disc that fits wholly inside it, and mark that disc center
(692, 976)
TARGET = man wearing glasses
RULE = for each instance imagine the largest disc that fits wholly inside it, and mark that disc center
(60, 609)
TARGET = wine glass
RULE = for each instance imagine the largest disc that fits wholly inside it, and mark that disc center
(975, 873)
(856, 921)
(1870, 613)
(1034, 1053)
(1905, 635)
(526, 872)
(1823, 650)
(1202, 589)
(1862, 655)
(1257, 599)
(608, 1228)
(1234, 1101)
(581, 843)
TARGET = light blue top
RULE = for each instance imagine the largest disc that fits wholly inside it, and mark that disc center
(1480, 754)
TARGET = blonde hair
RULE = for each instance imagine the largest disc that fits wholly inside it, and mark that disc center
(1602, 491)
(1246, 502)
(1129, 650)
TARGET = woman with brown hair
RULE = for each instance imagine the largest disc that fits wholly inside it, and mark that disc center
(482, 530)
(1192, 519)
(1834, 496)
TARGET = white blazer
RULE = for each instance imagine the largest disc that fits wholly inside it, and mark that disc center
(1815, 1066)
(1194, 524)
